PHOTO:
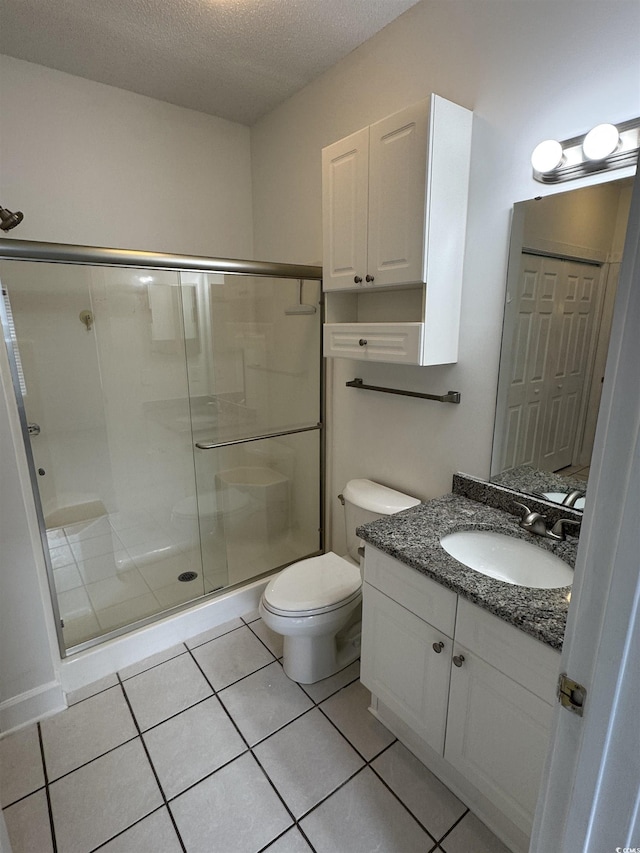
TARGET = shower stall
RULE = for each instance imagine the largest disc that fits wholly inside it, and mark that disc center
(172, 413)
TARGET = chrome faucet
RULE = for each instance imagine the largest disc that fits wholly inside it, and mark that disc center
(572, 497)
(536, 523)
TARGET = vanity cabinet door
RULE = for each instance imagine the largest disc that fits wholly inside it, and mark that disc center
(497, 736)
(401, 668)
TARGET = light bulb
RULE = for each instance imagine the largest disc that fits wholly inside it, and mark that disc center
(547, 156)
(601, 142)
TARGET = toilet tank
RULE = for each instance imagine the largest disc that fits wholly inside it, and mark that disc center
(366, 501)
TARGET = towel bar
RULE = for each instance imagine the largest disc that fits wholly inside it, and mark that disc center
(449, 397)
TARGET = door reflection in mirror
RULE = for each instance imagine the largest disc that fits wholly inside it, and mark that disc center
(563, 269)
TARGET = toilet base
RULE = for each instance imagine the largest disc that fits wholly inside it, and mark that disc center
(315, 648)
(310, 659)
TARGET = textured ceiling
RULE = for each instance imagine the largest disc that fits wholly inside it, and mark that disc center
(237, 59)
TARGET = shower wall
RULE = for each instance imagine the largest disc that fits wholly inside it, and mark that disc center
(92, 391)
(72, 450)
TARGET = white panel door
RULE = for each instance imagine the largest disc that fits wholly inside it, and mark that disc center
(397, 206)
(345, 179)
(400, 666)
(536, 295)
(577, 312)
(558, 312)
(497, 735)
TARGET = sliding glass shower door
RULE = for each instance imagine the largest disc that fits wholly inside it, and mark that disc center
(125, 376)
(255, 393)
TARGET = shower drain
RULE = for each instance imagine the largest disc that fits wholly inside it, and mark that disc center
(187, 576)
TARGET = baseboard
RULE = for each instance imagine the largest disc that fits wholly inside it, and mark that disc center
(31, 706)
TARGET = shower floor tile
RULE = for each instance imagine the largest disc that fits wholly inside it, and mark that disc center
(156, 759)
(101, 585)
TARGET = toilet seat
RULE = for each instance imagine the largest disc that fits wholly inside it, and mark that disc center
(313, 586)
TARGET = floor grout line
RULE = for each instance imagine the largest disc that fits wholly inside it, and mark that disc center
(451, 828)
(122, 832)
(47, 792)
(153, 769)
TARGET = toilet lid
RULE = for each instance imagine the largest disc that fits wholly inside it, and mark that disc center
(209, 504)
(313, 583)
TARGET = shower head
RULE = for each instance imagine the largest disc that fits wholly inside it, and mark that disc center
(9, 220)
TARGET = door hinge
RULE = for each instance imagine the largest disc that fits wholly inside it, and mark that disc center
(571, 695)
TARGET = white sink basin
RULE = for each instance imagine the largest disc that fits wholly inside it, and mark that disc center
(508, 559)
(558, 497)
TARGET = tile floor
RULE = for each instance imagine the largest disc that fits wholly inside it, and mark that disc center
(209, 748)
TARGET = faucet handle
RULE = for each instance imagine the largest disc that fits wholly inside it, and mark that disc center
(533, 522)
(527, 514)
(525, 509)
(558, 528)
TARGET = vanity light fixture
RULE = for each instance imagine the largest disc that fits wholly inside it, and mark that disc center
(601, 142)
(547, 156)
(604, 147)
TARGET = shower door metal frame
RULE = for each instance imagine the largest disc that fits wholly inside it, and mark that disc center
(65, 253)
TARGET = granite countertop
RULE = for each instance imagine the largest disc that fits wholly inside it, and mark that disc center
(413, 537)
(533, 481)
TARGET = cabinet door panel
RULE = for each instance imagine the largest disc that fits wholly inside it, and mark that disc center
(401, 668)
(497, 734)
(397, 206)
(345, 179)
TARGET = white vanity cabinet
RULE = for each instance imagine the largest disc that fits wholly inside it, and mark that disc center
(417, 691)
(478, 713)
(500, 709)
(394, 218)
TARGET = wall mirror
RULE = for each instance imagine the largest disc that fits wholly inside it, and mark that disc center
(564, 261)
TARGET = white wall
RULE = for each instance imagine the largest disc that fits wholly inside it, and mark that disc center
(91, 164)
(530, 71)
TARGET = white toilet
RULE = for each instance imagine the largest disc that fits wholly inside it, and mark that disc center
(315, 603)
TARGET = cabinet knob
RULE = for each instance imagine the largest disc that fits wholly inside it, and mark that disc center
(458, 660)
(363, 342)
(357, 279)
(438, 647)
(369, 278)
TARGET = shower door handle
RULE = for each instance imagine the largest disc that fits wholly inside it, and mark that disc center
(34, 429)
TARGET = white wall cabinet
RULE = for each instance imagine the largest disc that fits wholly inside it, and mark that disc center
(394, 216)
(482, 705)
